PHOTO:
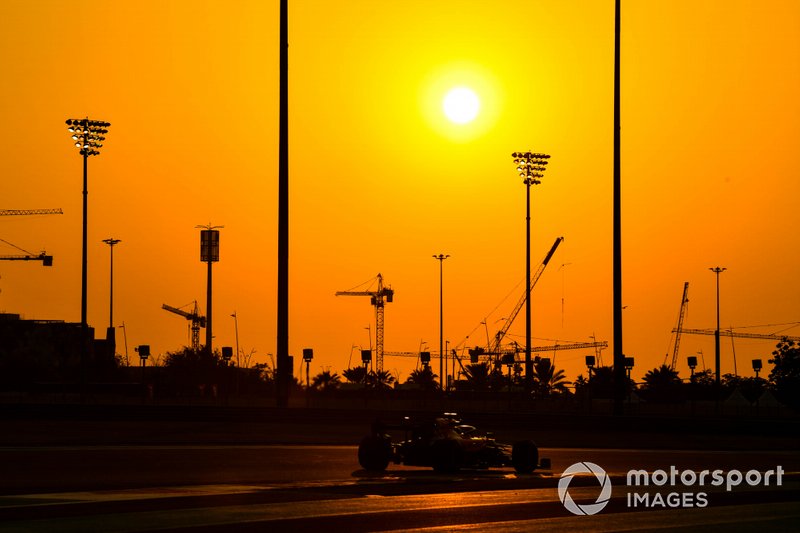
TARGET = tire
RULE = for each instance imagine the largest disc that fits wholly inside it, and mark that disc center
(446, 455)
(525, 456)
(374, 453)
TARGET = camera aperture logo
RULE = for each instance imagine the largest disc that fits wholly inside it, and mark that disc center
(590, 508)
(671, 488)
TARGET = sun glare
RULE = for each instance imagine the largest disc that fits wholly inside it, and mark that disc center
(461, 105)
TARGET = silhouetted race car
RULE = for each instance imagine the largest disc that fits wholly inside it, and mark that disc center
(445, 444)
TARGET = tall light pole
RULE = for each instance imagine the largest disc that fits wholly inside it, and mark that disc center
(620, 381)
(441, 258)
(284, 366)
(717, 271)
(236, 328)
(530, 167)
(111, 242)
(209, 253)
(88, 136)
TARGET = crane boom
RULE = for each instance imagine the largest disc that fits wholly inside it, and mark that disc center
(498, 338)
(57, 211)
(681, 316)
(729, 333)
(47, 260)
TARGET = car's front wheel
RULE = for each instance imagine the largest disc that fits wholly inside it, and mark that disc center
(374, 452)
(525, 456)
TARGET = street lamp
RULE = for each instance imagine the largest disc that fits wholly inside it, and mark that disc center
(530, 167)
(717, 271)
(441, 258)
(88, 136)
(111, 242)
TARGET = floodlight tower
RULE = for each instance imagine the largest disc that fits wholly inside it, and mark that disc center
(209, 253)
(530, 167)
(88, 136)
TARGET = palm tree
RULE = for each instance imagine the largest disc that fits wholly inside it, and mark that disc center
(357, 374)
(424, 377)
(662, 384)
(478, 376)
(325, 381)
(380, 380)
(547, 379)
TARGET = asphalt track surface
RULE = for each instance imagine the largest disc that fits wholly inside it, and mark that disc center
(314, 488)
(160, 468)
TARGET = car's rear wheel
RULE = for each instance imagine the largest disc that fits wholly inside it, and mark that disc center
(374, 453)
(525, 456)
(446, 454)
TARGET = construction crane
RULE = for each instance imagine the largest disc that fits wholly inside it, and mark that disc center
(47, 260)
(681, 316)
(494, 347)
(198, 322)
(57, 211)
(377, 298)
(731, 333)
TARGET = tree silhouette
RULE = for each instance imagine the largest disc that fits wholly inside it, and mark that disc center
(326, 381)
(602, 382)
(424, 377)
(546, 379)
(380, 380)
(478, 376)
(785, 375)
(662, 384)
(356, 374)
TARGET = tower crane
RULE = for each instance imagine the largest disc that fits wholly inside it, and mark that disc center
(494, 347)
(198, 322)
(377, 298)
(679, 329)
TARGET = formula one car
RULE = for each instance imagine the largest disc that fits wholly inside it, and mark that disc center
(447, 445)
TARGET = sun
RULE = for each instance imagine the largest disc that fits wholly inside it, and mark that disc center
(461, 105)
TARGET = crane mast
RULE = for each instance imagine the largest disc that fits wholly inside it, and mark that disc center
(377, 298)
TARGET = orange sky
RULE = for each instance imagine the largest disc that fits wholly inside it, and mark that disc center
(380, 181)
